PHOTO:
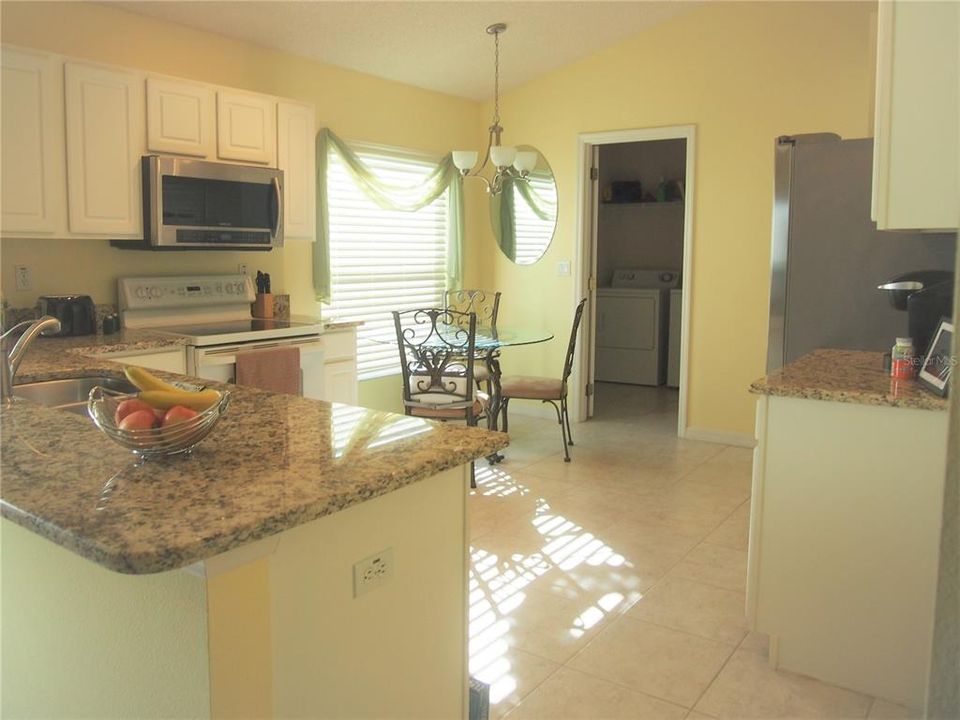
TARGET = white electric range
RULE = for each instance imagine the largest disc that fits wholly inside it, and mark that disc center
(212, 313)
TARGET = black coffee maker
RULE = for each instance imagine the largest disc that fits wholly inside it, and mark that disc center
(927, 296)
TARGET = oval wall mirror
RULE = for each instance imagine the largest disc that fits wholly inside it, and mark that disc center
(524, 214)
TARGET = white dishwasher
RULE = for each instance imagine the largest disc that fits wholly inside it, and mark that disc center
(632, 326)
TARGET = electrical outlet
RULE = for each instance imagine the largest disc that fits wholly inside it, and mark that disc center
(24, 277)
(242, 268)
(372, 572)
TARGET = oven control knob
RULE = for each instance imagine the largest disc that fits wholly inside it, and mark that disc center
(156, 292)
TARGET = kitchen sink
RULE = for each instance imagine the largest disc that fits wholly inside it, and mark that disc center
(69, 394)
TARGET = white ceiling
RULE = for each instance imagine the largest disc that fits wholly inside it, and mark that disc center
(441, 46)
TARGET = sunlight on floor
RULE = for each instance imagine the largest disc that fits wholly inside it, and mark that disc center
(497, 583)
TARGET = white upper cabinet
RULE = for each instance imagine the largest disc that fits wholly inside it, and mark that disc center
(296, 156)
(34, 186)
(915, 177)
(246, 127)
(106, 136)
(181, 118)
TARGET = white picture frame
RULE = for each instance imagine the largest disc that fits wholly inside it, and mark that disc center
(938, 361)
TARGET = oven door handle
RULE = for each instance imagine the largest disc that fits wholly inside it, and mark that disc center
(277, 214)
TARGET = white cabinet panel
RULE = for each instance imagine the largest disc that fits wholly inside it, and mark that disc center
(915, 180)
(34, 186)
(296, 156)
(246, 127)
(181, 118)
(105, 139)
(845, 526)
(174, 361)
(340, 382)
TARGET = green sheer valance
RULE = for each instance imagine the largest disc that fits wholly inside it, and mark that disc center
(389, 197)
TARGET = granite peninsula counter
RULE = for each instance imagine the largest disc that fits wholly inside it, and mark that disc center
(848, 376)
(269, 514)
(848, 480)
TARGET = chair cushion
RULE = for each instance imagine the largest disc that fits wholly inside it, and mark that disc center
(527, 387)
(428, 410)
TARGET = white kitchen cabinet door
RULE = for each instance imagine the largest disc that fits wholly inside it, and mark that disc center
(181, 118)
(246, 127)
(340, 382)
(106, 136)
(34, 199)
(296, 156)
(915, 175)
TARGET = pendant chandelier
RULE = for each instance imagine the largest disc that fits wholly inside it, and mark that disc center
(506, 160)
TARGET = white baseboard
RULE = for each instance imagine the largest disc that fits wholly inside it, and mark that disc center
(718, 436)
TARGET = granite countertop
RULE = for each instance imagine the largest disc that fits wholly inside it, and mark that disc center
(851, 376)
(273, 462)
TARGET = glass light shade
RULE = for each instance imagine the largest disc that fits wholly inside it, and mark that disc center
(464, 159)
(525, 161)
(502, 155)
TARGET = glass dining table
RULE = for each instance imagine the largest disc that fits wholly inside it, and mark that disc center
(487, 345)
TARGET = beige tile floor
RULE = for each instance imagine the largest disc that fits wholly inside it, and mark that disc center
(613, 586)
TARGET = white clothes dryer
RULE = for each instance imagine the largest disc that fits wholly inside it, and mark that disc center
(632, 320)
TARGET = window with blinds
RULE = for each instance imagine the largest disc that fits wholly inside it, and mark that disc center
(383, 260)
(533, 233)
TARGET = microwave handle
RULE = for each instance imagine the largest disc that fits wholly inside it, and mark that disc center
(278, 206)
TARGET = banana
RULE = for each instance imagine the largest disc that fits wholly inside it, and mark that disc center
(165, 399)
(147, 381)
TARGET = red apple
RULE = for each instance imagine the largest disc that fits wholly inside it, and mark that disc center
(177, 414)
(139, 420)
(127, 407)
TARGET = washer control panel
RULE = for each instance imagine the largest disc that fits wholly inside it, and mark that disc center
(645, 279)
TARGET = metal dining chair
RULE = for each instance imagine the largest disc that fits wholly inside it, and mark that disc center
(485, 304)
(548, 390)
(437, 352)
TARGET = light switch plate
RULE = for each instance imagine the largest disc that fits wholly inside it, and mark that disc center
(563, 268)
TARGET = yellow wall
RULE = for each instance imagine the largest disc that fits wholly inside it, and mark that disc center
(81, 641)
(356, 106)
(742, 73)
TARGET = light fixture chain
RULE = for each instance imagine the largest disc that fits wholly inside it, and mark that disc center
(496, 78)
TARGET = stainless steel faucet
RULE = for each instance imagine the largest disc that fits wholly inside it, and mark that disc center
(10, 362)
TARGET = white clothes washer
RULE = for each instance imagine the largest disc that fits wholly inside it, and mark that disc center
(632, 320)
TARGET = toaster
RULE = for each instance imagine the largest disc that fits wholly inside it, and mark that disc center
(76, 314)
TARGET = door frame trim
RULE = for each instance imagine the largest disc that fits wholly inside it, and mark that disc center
(586, 252)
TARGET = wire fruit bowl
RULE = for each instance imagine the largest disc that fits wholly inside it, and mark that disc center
(179, 437)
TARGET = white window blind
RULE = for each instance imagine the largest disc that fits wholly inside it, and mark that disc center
(383, 260)
(532, 233)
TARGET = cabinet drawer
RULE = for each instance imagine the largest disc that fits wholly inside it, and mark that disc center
(340, 345)
(174, 361)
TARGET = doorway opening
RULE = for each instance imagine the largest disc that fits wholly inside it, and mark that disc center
(634, 265)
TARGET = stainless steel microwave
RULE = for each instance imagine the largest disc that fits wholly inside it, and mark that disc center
(195, 204)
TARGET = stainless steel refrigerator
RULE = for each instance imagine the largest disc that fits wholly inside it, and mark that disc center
(827, 256)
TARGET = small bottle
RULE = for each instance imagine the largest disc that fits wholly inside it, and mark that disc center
(662, 190)
(902, 359)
